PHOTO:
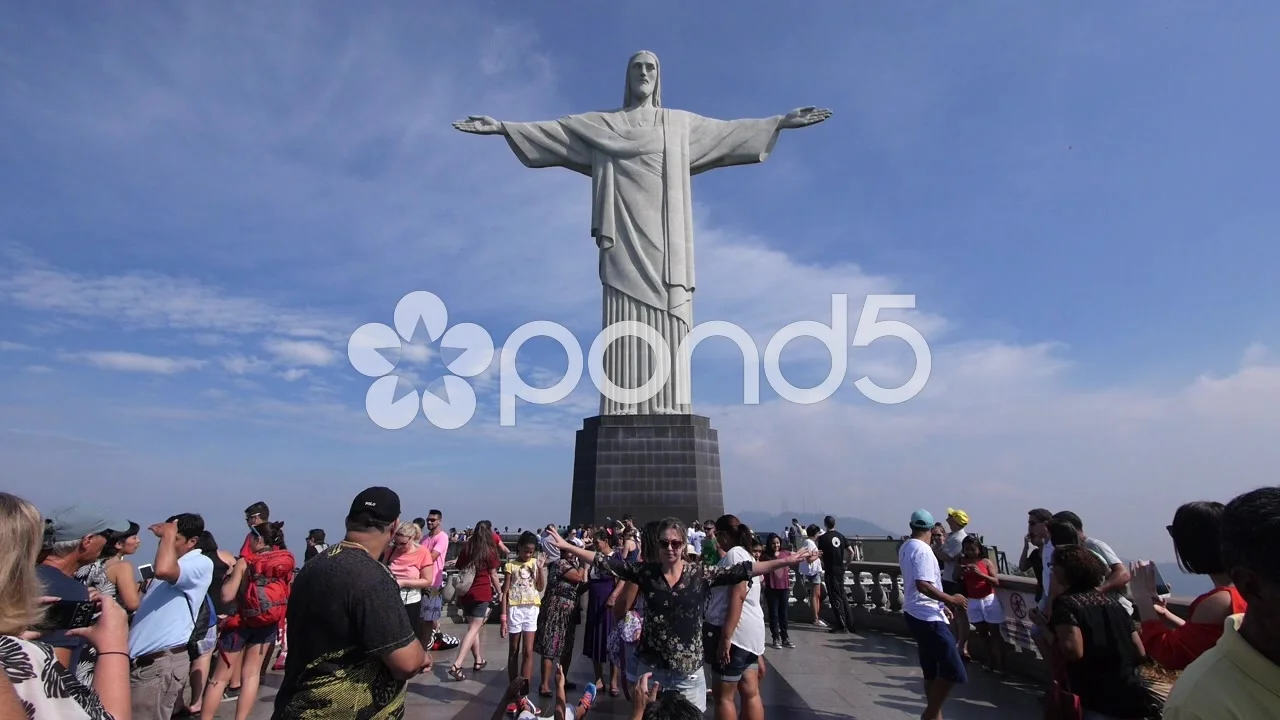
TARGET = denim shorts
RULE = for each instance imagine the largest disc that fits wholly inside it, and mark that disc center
(740, 661)
(236, 640)
(692, 687)
(474, 610)
(939, 656)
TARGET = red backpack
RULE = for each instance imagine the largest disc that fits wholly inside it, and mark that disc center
(266, 590)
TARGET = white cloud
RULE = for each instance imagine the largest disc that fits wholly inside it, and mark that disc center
(38, 369)
(241, 365)
(9, 346)
(155, 301)
(416, 353)
(293, 374)
(136, 362)
(300, 352)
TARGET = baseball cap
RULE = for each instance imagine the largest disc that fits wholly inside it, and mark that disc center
(73, 522)
(379, 503)
(921, 520)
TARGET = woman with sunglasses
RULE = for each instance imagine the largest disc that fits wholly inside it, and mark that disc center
(675, 594)
(1169, 640)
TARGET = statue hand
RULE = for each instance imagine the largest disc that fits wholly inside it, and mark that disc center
(479, 125)
(804, 117)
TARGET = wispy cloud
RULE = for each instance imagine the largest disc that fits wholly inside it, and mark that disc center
(301, 352)
(156, 301)
(241, 365)
(135, 362)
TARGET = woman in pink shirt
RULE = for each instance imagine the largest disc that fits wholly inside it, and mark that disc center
(777, 592)
(413, 568)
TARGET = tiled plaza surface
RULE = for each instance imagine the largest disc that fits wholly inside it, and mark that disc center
(867, 676)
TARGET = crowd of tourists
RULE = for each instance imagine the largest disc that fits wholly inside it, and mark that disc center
(675, 617)
(1114, 648)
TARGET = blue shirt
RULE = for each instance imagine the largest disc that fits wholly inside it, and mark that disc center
(167, 615)
(58, 585)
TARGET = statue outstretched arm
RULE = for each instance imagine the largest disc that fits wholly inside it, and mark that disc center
(480, 125)
(725, 143)
(803, 117)
(537, 144)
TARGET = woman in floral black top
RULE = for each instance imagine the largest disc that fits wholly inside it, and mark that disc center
(675, 594)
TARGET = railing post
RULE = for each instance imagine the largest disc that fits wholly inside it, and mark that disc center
(895, 591)
(878, 598)
(858, 598)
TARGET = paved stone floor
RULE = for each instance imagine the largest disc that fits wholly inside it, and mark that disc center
(871, 676)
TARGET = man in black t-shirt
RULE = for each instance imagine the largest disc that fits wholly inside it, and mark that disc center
(351, 648)
(835, 549)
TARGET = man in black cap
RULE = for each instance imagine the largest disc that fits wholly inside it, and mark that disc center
(345, 608)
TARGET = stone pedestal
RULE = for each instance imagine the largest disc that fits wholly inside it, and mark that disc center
(651, 466)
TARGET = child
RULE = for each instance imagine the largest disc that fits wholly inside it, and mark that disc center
(518, 705)
(978, 575)
(521, 597)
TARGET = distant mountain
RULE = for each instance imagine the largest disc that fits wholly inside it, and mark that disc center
(763, 523)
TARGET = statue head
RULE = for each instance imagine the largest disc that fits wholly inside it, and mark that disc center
(644, 80)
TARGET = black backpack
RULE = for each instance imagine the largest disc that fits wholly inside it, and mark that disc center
(204, 619)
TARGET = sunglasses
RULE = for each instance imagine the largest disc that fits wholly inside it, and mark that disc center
(671, 544)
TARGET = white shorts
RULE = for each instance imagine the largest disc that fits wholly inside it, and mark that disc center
(522, 619)
(986, 610)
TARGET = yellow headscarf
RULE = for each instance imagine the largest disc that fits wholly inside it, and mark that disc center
(959, 516)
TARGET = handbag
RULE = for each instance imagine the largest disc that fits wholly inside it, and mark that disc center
(1060, 703)
(1158, 681)
(631, 626)
(463, 581)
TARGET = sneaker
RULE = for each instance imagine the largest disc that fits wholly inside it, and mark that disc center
(819, 623)
(442, 641)
(588, 698)
(230, 694)
(777, 645)
(788, 644)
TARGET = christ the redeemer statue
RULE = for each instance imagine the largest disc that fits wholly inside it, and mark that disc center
(640, 159)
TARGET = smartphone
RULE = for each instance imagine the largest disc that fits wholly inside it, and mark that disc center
(1162, 587)
(70, 614)
(147, 572)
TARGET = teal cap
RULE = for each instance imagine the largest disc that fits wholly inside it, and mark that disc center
(921, 520)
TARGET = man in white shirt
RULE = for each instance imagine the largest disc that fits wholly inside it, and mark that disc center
(166, 617)
(810, 576)
(923, 609)
(695, 536)
(949, 557)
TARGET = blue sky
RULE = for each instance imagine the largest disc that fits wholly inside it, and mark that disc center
(203, 202)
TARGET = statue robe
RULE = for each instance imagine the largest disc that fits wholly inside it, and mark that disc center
(642, 221)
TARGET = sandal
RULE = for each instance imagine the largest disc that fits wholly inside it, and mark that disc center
(455, 672)
(480, 666)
